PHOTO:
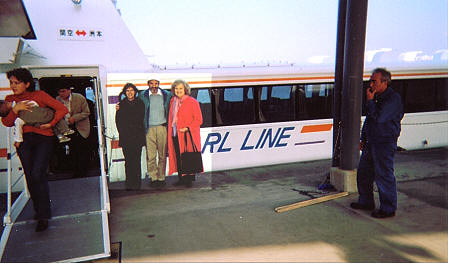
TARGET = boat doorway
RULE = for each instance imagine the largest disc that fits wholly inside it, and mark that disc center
(62, 164)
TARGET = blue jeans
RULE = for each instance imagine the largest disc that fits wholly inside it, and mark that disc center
(35, 153)
(376, 164)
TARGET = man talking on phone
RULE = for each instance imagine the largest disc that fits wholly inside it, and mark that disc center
(378, 143)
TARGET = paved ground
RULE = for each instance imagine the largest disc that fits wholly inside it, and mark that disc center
(229, 217)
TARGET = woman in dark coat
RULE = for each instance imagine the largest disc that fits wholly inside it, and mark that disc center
(129, 120)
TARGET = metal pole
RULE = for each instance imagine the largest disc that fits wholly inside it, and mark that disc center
(353, 82)
(339, 59)
(101, 146)
(7, 217)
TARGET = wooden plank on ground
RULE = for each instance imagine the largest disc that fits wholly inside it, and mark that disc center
(309, 202)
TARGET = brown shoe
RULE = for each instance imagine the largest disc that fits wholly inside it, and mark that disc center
(154, 184)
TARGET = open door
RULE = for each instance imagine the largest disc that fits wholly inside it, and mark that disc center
(62, 164)
(79, 229)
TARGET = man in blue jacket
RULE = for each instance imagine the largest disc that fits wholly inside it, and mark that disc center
(378, 143)
(157, 103)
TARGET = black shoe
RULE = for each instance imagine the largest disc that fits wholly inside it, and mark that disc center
(360, 206)
(154, 184)
(188, 183)
(180, 182)
(382, 214)
(161, 184)
(42, 225)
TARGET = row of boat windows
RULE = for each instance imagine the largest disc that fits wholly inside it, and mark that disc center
(236, 94)
(278, 103)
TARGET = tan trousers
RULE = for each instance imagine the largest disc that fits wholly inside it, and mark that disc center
(156, 141)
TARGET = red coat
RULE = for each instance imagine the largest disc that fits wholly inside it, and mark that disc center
(189, 115)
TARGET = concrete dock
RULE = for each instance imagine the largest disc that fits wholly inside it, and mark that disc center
(229, 216)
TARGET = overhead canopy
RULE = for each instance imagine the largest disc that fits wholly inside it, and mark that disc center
(14, 21)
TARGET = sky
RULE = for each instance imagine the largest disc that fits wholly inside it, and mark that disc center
(284, 31)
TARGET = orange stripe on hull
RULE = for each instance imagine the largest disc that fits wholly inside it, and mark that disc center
(240, 80)
(280, 79)
(3, 153)
(367, 76)
(316, 128)
(114, 144)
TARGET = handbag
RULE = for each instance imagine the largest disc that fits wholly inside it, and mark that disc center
(191, 162)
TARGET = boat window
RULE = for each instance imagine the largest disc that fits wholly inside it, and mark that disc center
(422, 95)
(277, 103)
(235, 106)
(317, 100)
(204, 99)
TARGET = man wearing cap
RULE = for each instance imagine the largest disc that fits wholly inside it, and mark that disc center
(157, 103)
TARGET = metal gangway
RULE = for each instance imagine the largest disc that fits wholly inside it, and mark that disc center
(78, 230)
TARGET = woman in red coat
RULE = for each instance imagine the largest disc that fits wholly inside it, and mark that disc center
(184, 112)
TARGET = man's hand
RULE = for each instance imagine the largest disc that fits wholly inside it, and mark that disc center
(183, 129)
(71, 121)
(362, 145)
(17, 144)
(45, 126)
(370, 94)
(117, 106)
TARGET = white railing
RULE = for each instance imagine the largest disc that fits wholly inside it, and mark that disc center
(14, 177)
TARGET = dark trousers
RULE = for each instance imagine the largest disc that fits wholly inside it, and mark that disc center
(79, 155)
(376, 164)
(185, 177)
(133, 172)
(35, 153)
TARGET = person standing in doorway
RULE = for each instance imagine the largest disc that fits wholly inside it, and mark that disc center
(78, 119)
(378, 143)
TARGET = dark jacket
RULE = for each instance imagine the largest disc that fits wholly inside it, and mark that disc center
(130, 123)
(145, 97)
(383, 118)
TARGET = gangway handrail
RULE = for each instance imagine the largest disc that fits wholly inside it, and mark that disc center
(13, 209)
(101, 147)
(10, 216)
(7, 217)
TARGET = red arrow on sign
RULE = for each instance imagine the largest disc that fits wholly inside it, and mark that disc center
(81, 33)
